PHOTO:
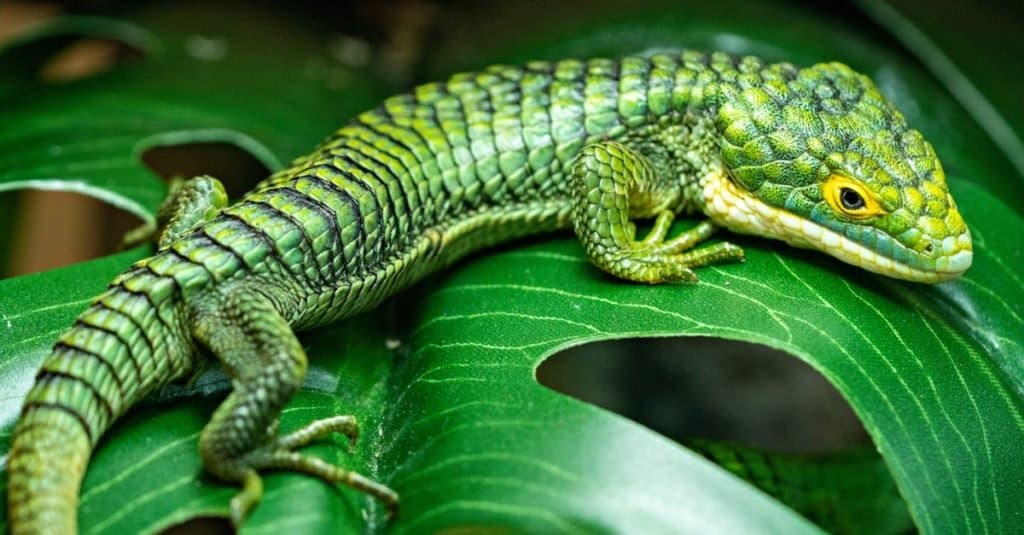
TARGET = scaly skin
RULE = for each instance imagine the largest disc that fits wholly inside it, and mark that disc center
(815, 157)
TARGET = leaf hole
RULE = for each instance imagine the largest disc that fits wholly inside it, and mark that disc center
(709, 388)
(48, 229)
(38, 44)
(236, 167)
(765, 416)
(87, 57)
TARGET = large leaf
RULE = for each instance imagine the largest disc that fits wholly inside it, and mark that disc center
(468, 437)
(936, 407)
(455, 421)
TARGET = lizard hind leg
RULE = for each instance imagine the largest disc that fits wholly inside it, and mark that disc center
(613, 183)
(243, 329)
(189, 203)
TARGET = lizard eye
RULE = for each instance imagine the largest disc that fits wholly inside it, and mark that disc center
(850, 199)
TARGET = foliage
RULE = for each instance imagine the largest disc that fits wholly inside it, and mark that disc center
(451, 414)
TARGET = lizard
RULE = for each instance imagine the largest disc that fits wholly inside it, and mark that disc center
(816, 157)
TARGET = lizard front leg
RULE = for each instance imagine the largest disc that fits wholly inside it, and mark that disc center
(240, 324)
(613, 183)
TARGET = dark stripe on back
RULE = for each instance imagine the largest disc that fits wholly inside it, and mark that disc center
(149, 300)
(330, 215)
(421, 202)
(393, 212)
(357, 181)
(411, 206)
(305, 243)
(246, 227)
(345, 197)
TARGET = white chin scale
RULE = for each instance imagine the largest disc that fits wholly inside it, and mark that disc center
(736, 209)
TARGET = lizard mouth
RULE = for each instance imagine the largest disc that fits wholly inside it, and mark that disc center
(739, 211)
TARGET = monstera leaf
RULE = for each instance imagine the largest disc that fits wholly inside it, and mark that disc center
(442, 379)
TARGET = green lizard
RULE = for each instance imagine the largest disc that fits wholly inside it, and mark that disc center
(816, 157)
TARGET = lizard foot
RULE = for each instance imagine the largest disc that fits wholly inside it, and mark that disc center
(613, 184)
(279, 454)
(656, 259)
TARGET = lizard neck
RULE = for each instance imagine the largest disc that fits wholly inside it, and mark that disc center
(683, 147)
(678, 126)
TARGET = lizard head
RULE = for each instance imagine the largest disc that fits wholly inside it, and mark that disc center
(819, 158)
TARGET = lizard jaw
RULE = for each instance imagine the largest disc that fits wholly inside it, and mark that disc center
(736, 209)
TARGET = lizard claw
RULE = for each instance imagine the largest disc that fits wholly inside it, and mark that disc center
(279, 454)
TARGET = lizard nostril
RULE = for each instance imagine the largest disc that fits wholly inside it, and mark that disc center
(929, 248)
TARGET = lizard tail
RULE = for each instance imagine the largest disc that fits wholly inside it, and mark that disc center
(47, 462)
(126, 344)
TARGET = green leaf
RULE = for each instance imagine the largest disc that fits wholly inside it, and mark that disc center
(215, 83)
(453, 418)
(937, 408)
(466, 435)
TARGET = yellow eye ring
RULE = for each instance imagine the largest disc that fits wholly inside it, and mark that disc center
(850, 198)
